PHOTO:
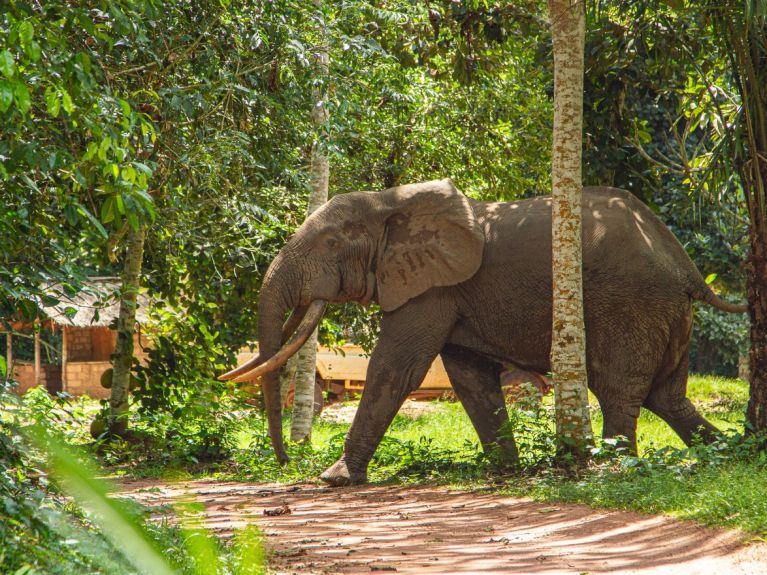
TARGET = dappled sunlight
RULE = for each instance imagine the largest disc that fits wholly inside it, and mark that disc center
(311, 529)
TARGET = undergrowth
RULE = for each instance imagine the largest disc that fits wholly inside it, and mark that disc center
(43, 531)
(719, 484)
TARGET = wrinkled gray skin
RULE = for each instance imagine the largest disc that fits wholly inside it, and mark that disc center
(471, 281)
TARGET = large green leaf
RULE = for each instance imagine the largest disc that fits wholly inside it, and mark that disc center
(52, 102)
(6, 95)
(7, 65)
(21, 96)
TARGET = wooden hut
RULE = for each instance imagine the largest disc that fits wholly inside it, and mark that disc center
(85, 322)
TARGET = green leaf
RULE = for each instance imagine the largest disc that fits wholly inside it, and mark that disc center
(119, 198)
(7, 65)
(108, 210)
(6, 95)
(250, 556)
(26, 32)
(34, 51)
(66, 101)
(103, 147)
(110, 514)
(143, 168)
(3, 367)
(21, 95)
(82, 210)
(70, 213)
(90, 151)
(52, 102)
(710, 278)
(133, 220)
(30, 183)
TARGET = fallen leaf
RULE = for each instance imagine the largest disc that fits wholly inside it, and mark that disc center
(284, 510)
(549, 509)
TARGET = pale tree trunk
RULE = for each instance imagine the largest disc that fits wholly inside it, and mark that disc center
(568, 345)
(303, 400)
(287, 377)
(122, 358)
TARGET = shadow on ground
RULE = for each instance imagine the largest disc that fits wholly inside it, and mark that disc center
(434, 530)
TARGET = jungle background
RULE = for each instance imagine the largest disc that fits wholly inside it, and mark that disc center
(193, 122)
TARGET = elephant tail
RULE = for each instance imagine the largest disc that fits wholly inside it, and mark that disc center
(707, 295)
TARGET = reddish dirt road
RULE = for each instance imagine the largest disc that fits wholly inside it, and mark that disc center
(422, 530)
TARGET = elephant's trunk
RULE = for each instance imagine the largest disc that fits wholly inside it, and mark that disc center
(275, 300)
(277, 342)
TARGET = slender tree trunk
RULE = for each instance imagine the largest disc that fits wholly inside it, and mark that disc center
(746, 37)
(287, 377)
(755, 180)
(568, 346)
(303, 400)
(122, 358)
(756, 412)
(9, 355)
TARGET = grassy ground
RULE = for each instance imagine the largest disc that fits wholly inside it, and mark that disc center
(722, 485)
(721, 400)
(725, 485)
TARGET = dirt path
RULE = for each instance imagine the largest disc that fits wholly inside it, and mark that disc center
(420, 530)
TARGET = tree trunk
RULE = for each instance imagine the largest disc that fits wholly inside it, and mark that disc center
(122, 358)
(9, 356)
(287, 377)
(568, 346)
(303, 400)
(756, 412)
(747, 35)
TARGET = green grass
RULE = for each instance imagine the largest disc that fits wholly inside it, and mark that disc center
(733, 494)
(721, 400)
(725, 485)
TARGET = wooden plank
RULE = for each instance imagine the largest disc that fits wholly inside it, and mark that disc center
(351, 365)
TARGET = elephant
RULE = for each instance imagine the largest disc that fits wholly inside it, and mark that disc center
(471, 281)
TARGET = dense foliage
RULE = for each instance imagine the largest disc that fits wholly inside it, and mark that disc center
(194, 120)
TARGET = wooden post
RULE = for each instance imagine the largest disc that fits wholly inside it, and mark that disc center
(64, 358)
(37, 353)
(8, 355)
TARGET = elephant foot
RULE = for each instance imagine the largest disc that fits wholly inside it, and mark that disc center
(504, 455)
(339, 475)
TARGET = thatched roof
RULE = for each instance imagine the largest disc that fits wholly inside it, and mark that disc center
(97, 304)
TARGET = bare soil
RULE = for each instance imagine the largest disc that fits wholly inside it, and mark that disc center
(311, 529)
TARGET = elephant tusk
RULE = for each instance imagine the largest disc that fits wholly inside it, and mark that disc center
(303, 331)
(287, 330)
(247, 366)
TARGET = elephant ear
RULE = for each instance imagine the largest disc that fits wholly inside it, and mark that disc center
(432, 238)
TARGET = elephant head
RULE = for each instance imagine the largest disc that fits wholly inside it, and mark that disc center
(388, 247)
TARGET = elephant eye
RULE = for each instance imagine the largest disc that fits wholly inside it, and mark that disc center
(331, 242)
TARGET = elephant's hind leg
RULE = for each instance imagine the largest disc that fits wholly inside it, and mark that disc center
(621, 412)
(668, 400)
(668, 395)
(477, 384)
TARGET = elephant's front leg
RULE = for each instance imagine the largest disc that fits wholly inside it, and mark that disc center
(476, 382)
(410, 339)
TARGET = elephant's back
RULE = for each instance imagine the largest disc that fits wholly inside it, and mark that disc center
(623, 240)
(633, 270)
